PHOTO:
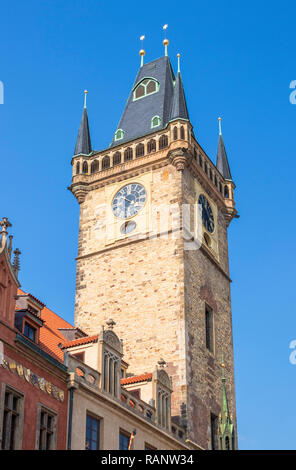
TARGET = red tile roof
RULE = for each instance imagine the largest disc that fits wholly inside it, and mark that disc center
(50, 336)
(80, 341)
(137, 378)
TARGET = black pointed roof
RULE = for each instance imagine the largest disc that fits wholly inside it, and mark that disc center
(83, 143)
(179, 106)
(137, 115)
(222, 160)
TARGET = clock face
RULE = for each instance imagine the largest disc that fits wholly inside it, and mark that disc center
(207, 214)
(129, 200)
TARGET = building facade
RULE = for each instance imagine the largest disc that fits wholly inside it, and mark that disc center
(62, 389)
(153, 248)
(33, 379)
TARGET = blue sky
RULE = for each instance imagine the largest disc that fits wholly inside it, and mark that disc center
(238, 60)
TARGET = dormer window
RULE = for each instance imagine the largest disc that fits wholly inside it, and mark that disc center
(155, 121)
(146, 87)
(119, 134)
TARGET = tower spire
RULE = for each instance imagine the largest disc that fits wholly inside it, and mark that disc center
(83, 142)
(226, 427)
(222, 160)
(165, 41)
(179, 106)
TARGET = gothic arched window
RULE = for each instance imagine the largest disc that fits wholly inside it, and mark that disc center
(85, 167)
(140, 150)
(94, 168)
(116, 158)
(163, 141)
(227, 446)
(182, 133)
(146, 87)
(175, 133)
(226, 192)
(106, 162)
(151, 146)
(128, 154)
(77, 168)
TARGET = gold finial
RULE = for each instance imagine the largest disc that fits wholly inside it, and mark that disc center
(220, 131)
(178, 55)
(85, 93)
(165, 41)
(142, 52)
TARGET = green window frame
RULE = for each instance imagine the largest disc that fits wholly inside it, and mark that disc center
(119, 134)
(155, 121)
(145, 87)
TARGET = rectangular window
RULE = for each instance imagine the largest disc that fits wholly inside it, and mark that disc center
(11, 419)
(214, 431)
(92, 437)
(124, 439)
(30, 332)
(209, 329)
(47, 429)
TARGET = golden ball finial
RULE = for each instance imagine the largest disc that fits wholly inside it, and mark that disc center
(142, 52)
(165, 42)
(219, 119)
(85, 91)
(178, 55)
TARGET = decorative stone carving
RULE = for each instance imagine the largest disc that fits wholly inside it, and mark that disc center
(180, 158)
(79, 192)
(164, 378)
(111, 338)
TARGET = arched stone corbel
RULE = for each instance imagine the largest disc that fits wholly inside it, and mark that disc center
(180, 158)
(79, 192)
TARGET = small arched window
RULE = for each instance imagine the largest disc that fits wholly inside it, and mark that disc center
(226, 192)
(151, 146)
(155, 121)
(128, 154)
(163, 141)
(77, 168)
(211, 174)
(119, 134)
(200, 160)
(195, 154)
(117, 158)
(175, 133)
(106, 162)
(220, 187)
(94, 166)
(227, 446)
(206, 168)
(216, 182)
(85, 168)
(146, 87)
(182, 133)
(140, 150)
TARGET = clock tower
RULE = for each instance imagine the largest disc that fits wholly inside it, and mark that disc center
(153, 250)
